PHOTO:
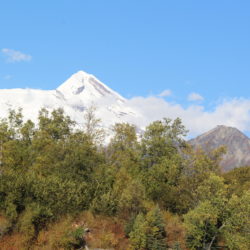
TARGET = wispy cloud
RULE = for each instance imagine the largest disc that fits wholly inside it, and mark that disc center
(195, 97)
(15, 56)
(165, 93)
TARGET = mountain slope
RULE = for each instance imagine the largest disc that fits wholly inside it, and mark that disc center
(237, 144)
(75, 95)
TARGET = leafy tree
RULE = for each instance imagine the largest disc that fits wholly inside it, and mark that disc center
(217, 217)
(92, 125)
(123, 149)
(197, 167)
(162, 140)
(161, 180)
(205, 221)
(130, 194)
(57, 125)
(236, 226)
(161, 161)
(238, 180)
(201, 224)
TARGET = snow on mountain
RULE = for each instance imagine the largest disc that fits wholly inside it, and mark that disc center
(75, 95)
(87, 87)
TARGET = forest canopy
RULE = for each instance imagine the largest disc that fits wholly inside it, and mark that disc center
(155, 185)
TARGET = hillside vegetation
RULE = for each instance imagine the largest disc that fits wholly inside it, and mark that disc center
(61, 188)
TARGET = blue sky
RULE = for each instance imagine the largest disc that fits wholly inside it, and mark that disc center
(191, 48)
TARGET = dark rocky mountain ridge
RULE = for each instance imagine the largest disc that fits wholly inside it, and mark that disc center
(236, 143)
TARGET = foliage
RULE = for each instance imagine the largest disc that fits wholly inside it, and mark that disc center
(92, 125)
(45, 171)
(238, 180)
(138, 235)
(61, 235)
(218, 216)
(237, 224)
(52, 171)
(161, 140)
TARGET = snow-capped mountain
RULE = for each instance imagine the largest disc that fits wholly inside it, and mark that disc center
(75, 95)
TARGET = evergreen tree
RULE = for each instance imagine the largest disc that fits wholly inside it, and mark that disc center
(138, 236)
(156, 236)
(148, 231)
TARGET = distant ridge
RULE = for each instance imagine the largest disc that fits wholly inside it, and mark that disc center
(237, 144)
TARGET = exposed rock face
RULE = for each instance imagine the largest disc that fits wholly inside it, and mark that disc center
(237, 144)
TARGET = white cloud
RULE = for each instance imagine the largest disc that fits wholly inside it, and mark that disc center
(165, 93)
(234, 113)
(15, 56)
(195, 97)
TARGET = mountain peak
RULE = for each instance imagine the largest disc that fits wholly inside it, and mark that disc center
(75, 96)
(225, 127)
(222, 131)
(237, 144)
(82, 73)
(86, 86)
